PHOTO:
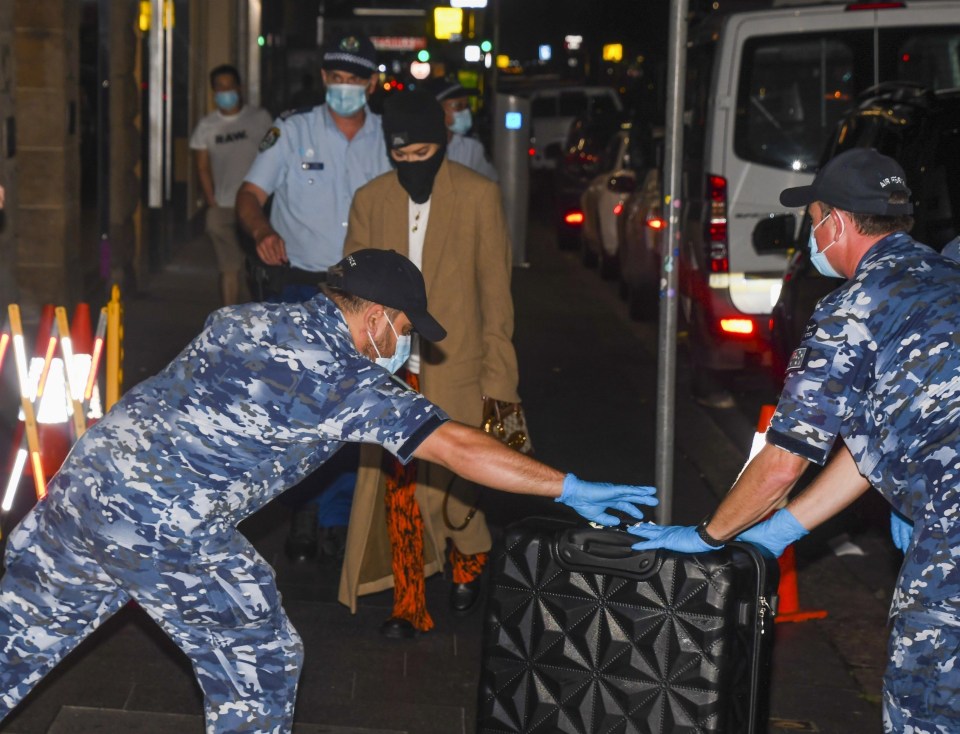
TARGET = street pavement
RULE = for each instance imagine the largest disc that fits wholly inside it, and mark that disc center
(588, 380)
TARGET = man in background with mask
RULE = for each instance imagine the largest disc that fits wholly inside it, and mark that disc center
(312, 161)
(467, 151)
(449, 221)
(224, 145)
(879, 367)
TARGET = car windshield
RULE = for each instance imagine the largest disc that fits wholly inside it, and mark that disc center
(794, 88)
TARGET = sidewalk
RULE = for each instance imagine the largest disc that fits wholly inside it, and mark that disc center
(588, 384)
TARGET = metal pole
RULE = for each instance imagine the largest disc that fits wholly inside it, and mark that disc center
(667, 361)
(155, 108)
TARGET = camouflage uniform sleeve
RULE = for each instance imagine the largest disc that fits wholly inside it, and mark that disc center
(824, 382)
(380, 409)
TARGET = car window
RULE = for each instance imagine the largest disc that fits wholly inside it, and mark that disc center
(927, 56)
(602, 104)
(545, 106)
(571, 103)
(793, 90)
(611, 153)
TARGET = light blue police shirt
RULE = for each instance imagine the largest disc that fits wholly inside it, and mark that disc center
(469, 152)
(313, 172)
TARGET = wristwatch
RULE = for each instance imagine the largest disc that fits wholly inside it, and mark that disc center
(705, 536)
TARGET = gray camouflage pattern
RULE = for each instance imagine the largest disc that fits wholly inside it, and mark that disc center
(879, 366)
(921, 685)
(147, 503)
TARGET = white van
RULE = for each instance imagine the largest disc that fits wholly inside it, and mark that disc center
(764, 90)
(553, 110)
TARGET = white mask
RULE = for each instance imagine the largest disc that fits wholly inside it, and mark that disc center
(817, 257)
(400, 354)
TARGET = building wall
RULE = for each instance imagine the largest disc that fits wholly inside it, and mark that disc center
(8, 159)
(47, 109)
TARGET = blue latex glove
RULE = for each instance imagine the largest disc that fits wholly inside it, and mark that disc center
(681, 538)
(776, 532)
(592, 499)
(901, 530)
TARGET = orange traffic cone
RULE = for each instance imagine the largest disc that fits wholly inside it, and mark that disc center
(53, 429)
(788, 608)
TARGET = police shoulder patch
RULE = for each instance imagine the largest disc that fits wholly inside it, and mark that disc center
(272, 136)
(798, 359)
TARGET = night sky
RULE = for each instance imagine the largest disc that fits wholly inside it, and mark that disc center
(641, 25)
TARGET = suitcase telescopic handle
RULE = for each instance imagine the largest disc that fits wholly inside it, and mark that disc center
(604, 551)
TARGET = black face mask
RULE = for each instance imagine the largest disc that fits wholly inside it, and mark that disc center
(417, 177)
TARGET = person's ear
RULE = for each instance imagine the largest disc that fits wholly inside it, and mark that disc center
(372, 316)
(372, 84)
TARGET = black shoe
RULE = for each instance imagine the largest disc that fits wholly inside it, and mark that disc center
(333, 542)
(396, 628)
(302, 541)
(464, 597)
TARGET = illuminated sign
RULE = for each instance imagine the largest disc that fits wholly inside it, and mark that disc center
(468, 3)
(447, 22)
(398, 43)
(513, 120)
(471, 53)
(613, 52)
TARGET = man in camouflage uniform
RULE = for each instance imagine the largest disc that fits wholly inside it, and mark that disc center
(879, 366)
(146, 505)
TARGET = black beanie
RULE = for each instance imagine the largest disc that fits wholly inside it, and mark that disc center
(413, 117)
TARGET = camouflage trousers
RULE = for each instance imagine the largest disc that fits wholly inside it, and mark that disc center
(921, 686)
(218, 602)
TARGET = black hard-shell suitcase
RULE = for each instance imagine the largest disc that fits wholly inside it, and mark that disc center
(585, 635)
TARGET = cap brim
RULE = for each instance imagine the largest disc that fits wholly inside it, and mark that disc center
(426, 326)
(797, 196)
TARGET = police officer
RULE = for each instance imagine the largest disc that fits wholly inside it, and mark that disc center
(462, 149)
(147, 504)
(312, 161)
(879, 367)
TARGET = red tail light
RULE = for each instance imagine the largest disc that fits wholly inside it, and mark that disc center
(874, 6)
(656, 223)
(573, 218)
(744, 327)
(717, 250)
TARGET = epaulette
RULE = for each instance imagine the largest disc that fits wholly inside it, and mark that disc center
(290, 113)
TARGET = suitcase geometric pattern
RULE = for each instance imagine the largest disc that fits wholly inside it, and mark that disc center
(680, 644)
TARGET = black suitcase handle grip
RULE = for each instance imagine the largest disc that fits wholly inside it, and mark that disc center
(604, 551)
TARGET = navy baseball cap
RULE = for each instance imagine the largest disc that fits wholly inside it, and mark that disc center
(388, 278)
(859, 181)
(444, 89)
(353, 53)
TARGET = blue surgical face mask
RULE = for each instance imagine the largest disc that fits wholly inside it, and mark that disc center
(462, 122)
(400, 355)
(346, 99)
(818, 257)
(226, 100)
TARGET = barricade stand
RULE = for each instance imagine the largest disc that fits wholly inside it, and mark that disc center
(26, 403)
(114, 377)
(788, 608)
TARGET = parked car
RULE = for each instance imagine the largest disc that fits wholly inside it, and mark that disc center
(642, 228)
(628, 155)
(764, 90)
(920, 129)
(552, 112)
(578, 164)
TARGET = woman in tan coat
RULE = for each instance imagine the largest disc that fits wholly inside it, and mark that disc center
(449, 221)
